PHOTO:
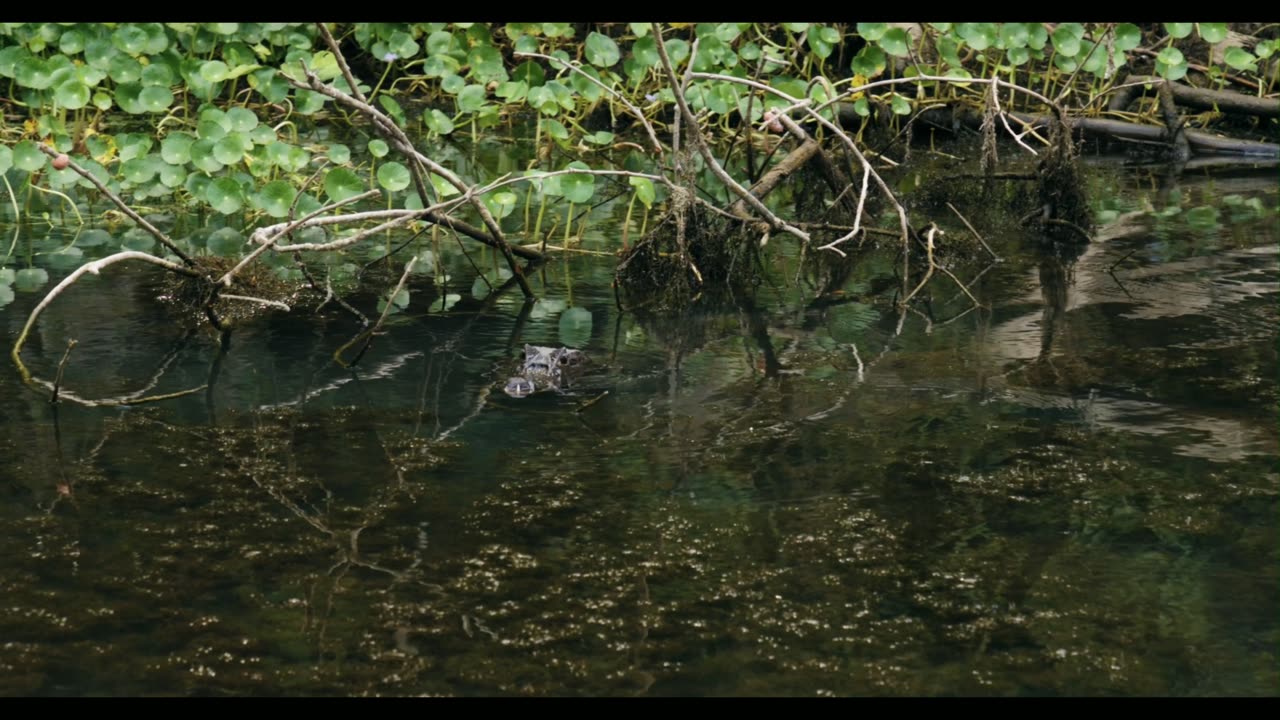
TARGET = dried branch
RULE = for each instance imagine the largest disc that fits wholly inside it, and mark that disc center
(701, 146)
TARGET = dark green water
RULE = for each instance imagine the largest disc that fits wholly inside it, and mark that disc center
(1073, 493)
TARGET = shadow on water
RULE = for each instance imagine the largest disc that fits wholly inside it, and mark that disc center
(801, 491)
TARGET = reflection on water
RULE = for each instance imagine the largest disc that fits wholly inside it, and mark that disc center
(803, 493)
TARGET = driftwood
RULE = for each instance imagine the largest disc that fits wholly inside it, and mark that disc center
(1201, 143)
(1201, 98)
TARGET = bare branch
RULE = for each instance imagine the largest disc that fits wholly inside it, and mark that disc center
(703, 150)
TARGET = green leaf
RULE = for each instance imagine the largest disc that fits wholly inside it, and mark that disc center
(471, 98)
(869, 62)
(1213, 33)
(340, 184)
(6, 159)
(979, 36)
(645, 51)
(339, 154)
(530, 73)
(202, 156)
(241, 119)
(501, 203)
(378, 148)
(393, 176)
(896, 42)
(137, 239)
(71, 94)
(1171, 64)
(27, 156)
(229, 150)
(486, 64)
(817, 44)
(872, 31)
(1239, 58)
(578, 187)
(1014, 35)
(555, 128)
(157, 74)
(601, 50)
(677, 50)
(437, 122)
(155, 98)
(30, 279)
(644, 190)
(1066, 41)
(277, 197)
(900, 105)
(211, 71)
(575, 327)
(1178, 30)
(1128, 37)
(224, 195)
(225, 242)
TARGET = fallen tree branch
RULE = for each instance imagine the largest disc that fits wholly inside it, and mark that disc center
(1206, 99)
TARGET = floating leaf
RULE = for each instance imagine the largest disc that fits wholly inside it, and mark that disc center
(30, 279)
(137, 239)
(225, 242)
(575, 327)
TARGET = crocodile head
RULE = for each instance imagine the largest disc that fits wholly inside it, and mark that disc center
(545, 368)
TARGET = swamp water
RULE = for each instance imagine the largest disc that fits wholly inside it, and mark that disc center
(1072, 493)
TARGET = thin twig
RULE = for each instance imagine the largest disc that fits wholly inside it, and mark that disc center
(62, 365)
(975, 232)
